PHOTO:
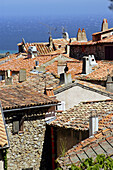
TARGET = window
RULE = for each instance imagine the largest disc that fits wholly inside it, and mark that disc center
(17, 124)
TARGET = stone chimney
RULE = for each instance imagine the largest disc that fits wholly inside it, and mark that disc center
(84, 35)
(104, 25)
(93, 123)
(79, 35)
(22, 75)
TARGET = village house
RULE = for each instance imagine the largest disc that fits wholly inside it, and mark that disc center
(101, 45)
(100, 143)
(37, 134)
(53, 46)
(72, 129)
(26, 111)
(79, 91)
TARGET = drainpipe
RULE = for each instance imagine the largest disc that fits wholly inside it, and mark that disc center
(53, 148)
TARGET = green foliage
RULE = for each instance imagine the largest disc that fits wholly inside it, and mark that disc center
(62, 147)
(4, 153)
(101, 162)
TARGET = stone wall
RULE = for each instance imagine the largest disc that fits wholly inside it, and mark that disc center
(67, 138)
(26, 146)
(78, 51)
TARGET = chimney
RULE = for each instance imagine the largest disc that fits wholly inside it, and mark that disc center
(49, 91)
(88, 63)
(84, 35)
(22, 75)
(32, 52)
(79, 35)
(61, 66)
(104, 25)
(8, 77)
(93, 123)
(109, 82)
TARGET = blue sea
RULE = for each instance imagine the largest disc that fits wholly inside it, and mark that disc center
(37, 29)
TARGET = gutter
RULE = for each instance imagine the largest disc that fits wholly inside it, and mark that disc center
(32, 107)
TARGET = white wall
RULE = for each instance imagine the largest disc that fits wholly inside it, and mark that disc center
(77, 94)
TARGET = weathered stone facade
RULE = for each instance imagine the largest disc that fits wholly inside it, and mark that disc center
(78, 51)
(26, 146)
(67, 138)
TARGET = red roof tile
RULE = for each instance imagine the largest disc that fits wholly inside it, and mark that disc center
(3, 135)
(100, 72)
(89, 148)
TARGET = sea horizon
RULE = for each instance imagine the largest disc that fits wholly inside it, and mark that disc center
(38, 29)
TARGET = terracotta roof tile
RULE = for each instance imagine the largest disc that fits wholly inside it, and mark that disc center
(27, 93)
(42, 48)
(105, 31)
(60, 43)
(78, 117)
(105, 40)
(90, 149)
(100, 72)
(3, 135)
(24, 62)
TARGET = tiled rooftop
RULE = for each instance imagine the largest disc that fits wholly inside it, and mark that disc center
(100, 72)
(74, 67)
(3, 136)
(24, 62)
(105, 31)
(78, 117)
(42, 48)
(17, 96)
(102, 142)
(60, 43)
(105, 40)
(89, 86)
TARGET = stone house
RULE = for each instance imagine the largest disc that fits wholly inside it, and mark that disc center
(100, 143)
(79, 91)
(101, 45)
(72, 126)
(4, 140)
(99, 74)
(26, 112)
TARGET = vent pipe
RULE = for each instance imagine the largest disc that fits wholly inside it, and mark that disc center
(93, 123)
